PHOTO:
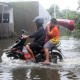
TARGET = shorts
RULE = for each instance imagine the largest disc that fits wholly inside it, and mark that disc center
(49, 45)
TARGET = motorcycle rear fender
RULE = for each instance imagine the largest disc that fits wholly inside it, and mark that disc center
(56, 51)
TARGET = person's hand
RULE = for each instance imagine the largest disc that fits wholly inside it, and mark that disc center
(25, 36)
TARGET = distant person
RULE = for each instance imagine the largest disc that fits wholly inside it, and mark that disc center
(52, 36)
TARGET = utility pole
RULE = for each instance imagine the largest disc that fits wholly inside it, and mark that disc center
(54, 10)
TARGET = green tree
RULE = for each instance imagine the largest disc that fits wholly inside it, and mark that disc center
(51, 10)
(79, 4)
(67, 14)
(64, 14)
(76, 32)
(78, 17)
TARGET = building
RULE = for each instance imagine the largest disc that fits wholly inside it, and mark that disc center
(6, 20)
(21, 14)
(25, 12)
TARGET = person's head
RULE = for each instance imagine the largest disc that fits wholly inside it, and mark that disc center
(53, 22)
(39, 21)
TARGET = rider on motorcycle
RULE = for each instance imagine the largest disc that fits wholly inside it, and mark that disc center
(39, 37)
(53, 37)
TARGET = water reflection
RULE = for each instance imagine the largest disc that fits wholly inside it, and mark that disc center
(37, 74)
(44, 74)
(28, 74)
(19, 74)
(67, 75)
(5, 74)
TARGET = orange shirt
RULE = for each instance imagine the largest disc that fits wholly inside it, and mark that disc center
(54, 32)
(54, 35)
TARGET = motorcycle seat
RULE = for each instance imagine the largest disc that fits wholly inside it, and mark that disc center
(58, 44)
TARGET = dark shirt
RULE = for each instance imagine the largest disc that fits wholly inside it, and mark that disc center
(39, 36)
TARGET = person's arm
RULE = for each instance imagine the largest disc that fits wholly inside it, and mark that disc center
(48, 29)
(35, 34)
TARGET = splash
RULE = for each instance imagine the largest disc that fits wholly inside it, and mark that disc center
(71, 58)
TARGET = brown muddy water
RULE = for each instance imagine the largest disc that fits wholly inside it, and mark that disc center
(69, 69)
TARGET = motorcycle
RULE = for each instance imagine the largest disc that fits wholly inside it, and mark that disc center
(19, 51)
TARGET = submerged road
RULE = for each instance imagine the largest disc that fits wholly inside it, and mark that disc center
(69, 69)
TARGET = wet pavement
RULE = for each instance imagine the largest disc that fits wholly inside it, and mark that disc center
(69, 69)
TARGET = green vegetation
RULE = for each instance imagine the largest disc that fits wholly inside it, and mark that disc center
(67, 14)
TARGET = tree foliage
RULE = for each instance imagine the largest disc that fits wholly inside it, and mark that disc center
(67, 14)
(79, 4)
(51, 10)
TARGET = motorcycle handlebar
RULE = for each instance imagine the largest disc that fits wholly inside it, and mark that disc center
(23, 31)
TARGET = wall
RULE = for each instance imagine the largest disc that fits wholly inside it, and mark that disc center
(44, 14)
(10, 11)
(7, 29)
(0, 8)
(24, 13)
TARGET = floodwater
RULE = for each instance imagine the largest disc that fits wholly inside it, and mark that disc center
(69, 69)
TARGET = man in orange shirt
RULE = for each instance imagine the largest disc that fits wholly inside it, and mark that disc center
(53, 36)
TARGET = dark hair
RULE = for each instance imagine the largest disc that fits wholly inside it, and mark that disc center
(54, 21)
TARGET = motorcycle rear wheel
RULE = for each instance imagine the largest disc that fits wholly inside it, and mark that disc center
(55, 57)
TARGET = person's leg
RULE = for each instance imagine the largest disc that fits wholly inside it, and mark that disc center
(30, 51)
(46, 55)
(47, 47)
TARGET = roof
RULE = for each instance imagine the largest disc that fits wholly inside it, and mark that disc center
(5, 4)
